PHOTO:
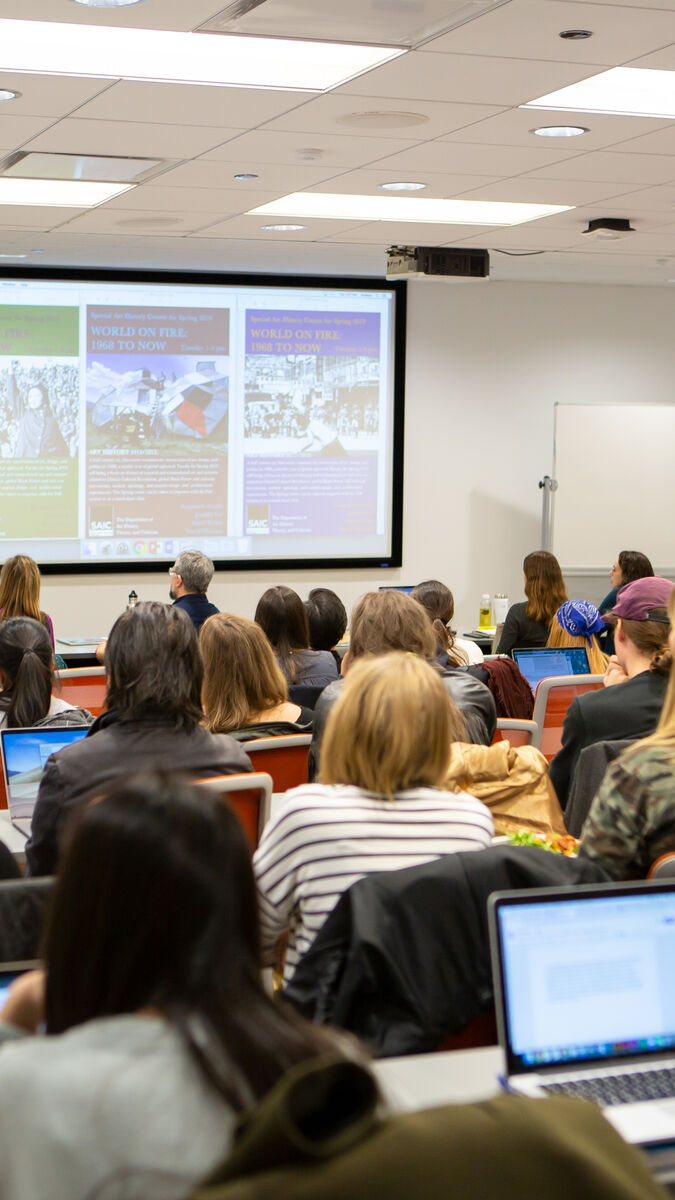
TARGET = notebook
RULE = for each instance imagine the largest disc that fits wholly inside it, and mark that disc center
(538, 664)
(24, 753)
(585, 996)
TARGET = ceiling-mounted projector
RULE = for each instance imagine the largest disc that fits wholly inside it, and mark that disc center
(436, 262)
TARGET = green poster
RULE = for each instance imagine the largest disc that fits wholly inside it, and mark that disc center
(39, 330)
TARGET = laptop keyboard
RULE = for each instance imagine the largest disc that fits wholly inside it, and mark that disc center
(619, 1089)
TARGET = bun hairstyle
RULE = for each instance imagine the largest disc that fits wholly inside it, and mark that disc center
(651, 639)
(439, 603)
(544, 586)
(26, 671)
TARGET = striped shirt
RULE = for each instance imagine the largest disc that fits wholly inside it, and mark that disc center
(324, 838)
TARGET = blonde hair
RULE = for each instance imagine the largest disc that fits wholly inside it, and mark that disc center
(597, 661)
(664, 734)
(544, 586)
(20, 589)
(391, 728)
(241, 675)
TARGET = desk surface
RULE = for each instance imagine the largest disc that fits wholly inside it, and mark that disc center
(449, 1077)
(13, 840)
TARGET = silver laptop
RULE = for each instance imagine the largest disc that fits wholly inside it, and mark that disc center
(585, 997)
(537, 663)
(24, 753)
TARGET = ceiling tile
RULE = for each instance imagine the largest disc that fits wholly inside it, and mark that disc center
(523, 189)
(615, 168)
(366, 182)
(251, 227)
(206, 173)
(327, 114)
(530, 29)
(180, 200)
(659, 142)
(109, 220)
(16, 131)
(514, 128)
(179, 104)
(126, 137)
(466, 78)
(463, 158)
(50, 96)
(336, 150)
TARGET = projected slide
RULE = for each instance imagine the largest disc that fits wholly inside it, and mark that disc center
(139, 418)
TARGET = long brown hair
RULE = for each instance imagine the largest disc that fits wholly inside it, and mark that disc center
(241, 676)
(281, 614)
(439, 602)
(26, 671)
(391, 727)
(544, 586)
(20, 589)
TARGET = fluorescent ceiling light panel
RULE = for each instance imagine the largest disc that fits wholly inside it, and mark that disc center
(623, 91)
(158, 56)
(393, 208)
(59, 193)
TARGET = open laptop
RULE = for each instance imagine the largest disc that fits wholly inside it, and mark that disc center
(24, 753)
(585, 996)
(537, 664)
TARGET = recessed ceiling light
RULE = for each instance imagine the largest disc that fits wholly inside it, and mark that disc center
(575, 35)
(555, 131)
(282, 228)
(621, 91)
(244, 178)
(392, 208)
(402, 187)
(108, 3)
(7, 94)
(163, 56)
(382, 120)
(59, 193)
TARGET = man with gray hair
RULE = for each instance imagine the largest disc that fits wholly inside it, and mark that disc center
(191, 575)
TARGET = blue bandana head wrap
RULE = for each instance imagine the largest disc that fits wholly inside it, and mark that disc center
(580, 618)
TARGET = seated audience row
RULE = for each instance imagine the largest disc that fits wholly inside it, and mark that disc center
(20, 592)
(281, 614)
(27, 678)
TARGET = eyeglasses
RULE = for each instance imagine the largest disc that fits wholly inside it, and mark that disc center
(172, 571)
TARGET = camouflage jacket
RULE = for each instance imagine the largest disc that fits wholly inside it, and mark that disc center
(632, 818)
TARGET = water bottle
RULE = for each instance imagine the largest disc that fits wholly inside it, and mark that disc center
(500, 606)
(133, 600)
(485, 612)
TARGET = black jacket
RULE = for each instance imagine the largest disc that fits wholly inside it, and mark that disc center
(403, 960)
(197, 607)
(521, 630)
(112, 749)
(472, 698)
(625, 710)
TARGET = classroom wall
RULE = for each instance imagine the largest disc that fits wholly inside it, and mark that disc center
(486, 363)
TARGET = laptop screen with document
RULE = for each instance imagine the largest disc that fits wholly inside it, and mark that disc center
(584, 975)
(538, 664)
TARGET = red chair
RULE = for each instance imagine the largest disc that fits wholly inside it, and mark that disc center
(551, 702)
(85, 687)
(517, 732)
(284, 758)
(250, 797)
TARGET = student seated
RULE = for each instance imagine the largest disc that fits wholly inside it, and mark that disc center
(159, 1033)
(281, 615)
(378, 805)
(578, 623)
(244, 693)
(628, 566)
(527, 624)
(152, 719)
(386, 621)
(632, 818)
(27, 679)
(630, 704)
(20, 592)
(327, 621)
(439, 603)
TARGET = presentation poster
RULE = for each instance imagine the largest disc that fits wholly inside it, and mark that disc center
(157, 396)
(142, 416)
(39, 421)
(311, 423)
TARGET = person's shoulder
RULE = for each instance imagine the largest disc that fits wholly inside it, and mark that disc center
(647, 763)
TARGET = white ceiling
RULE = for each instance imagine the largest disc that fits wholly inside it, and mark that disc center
(467, 137)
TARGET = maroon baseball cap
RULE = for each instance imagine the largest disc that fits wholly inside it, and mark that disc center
(636, 600)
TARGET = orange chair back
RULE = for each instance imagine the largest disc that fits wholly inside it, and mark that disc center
(284, 758)
(516, 732)
(250, 800)
(557, 701)
(85, 687)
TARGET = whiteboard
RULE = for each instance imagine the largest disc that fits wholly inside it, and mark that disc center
(615, 469)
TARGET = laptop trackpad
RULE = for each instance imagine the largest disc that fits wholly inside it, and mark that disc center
(653, 1121)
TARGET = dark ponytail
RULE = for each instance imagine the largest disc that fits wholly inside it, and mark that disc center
(26, 671)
